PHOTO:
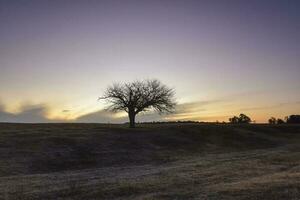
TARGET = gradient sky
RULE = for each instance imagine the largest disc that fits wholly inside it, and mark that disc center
(222, 57)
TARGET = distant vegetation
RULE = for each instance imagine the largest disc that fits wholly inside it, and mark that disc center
(173, 122)
(273, 120)
(241, 119)
(292, 119)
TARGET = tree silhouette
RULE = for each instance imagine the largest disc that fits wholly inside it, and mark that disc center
(280, 121)
(272, 120)
(234, 120)
(139, 96)
(242, 119)
(293, 119)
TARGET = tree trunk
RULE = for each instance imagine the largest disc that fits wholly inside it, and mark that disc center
(131, 119)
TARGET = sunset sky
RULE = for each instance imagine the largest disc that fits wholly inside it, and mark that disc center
(222, 57)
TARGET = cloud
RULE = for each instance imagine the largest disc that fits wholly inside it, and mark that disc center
(6, 117)
(182, 112)
(195, 106)
(101, 116)
(191, 110)
(150, 117)
(28, 114)
(38, 113)
(270, 106)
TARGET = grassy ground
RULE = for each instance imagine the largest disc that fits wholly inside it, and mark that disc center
(178, 161)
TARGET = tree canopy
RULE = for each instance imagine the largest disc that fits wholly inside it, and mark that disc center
(241, 119)
(140, 96)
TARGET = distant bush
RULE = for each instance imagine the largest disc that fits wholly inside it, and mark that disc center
(273, 120)
(280, 121)
(242, 119)
(293, 119)
(234, 120)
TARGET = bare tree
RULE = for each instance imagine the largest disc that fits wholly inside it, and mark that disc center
(139, 96)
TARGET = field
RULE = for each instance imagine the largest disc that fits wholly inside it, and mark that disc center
(151, 162)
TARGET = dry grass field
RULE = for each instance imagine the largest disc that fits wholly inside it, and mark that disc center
(151, 162)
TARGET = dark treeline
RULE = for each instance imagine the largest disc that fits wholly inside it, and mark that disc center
(241, 119)
(171, 122)
(292, 119)
(244, 119)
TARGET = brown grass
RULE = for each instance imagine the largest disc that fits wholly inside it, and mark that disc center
(178, 161)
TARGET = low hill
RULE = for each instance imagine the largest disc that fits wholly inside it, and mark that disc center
(153, 161)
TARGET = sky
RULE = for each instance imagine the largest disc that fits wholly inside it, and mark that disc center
(221, 57)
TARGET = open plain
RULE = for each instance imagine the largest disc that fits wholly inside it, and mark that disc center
(152, 161)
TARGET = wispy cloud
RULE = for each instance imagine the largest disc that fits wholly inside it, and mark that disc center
(38, 114)
(101, 116)
(266, 107)
(28, 114)
(199, 111)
